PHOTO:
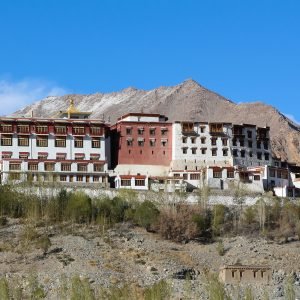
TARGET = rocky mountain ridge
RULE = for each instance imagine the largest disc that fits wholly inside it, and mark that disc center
(185, 101)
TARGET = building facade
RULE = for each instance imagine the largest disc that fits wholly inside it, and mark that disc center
(65, 149)
(141, 145)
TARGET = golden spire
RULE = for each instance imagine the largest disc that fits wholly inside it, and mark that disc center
(72, 109)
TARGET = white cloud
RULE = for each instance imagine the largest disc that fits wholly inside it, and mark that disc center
(292, 118)
(15, 95)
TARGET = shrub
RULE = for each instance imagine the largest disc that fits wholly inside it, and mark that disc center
(159, 291)
(81, 289)
(79, 208)
(146, 214)
(177, 223)
(4, 290)
(215, 289)
(220, 248)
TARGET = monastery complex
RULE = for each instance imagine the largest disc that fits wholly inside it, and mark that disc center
(142, 151)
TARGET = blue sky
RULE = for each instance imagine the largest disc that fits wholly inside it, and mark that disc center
(245, 50)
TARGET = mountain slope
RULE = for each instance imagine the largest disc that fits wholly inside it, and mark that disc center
(186, 101)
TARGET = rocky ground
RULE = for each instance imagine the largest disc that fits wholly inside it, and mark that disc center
(128, 254)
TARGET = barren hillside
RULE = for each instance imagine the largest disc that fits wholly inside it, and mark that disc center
(186, 101)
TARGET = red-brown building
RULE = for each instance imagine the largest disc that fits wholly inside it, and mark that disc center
(141, 139)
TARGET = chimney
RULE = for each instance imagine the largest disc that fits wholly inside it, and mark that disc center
(31, 113)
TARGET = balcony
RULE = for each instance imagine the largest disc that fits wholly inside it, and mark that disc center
(60, 130)
(6, 128)
(96, 131)
(188, 129)
(78, 131)
(42, 130)
(23, 129)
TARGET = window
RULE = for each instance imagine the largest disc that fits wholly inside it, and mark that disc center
(81, 168)
(203, 139)
(250, 144)
(185, 176)
(139, 182)
(23, 155)
(125, 182)
(217, 174)
(23, 141)
(42, 155)
(42, 141)
(49, 166)
(230, 174)
(96, 130)
(15, 176)
(195, 176)
(78, 143)
(79, 156)
(225, 152)
(98, 168)
(94, 156)
(140, 131)
(164, 143)
(33, 167)
(272, 173)
(203, 151)
(95, 178)
(249, 134)
(256, 177)
(141, 142)
(214, 141)
(224, 142)
(258, 145)
(6, 155)
(202, 129)
(194, 150)
(242, 143)
(23, 128)
(152, 142)
(266, 146)
(235, 152)
(60, 142)
(184, 150)
(79, 178)
(193, 140)
(250, 154)
(41, 129)
(61, 156)
(60, 129)
(266, 156)
(6, 141)
(129, 130)
(6, 128)
(164, 131)
(14, 166)
(234, 142)
(96, 143)
(78, 130)
(152, 131)
(66, 167)
(242, 153)
(63, 178)
(259, 155)
(176, 175)
(214, 152)
(184, 140)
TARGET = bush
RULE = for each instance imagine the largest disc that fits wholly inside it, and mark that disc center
(79, 208)
(220, 248)
(159, 291)
(178, 222)
(215, 289)
(146, 215)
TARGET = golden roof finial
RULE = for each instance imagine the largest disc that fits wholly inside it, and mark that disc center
(72, 109)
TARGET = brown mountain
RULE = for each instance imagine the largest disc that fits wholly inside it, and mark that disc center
(186, 101)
